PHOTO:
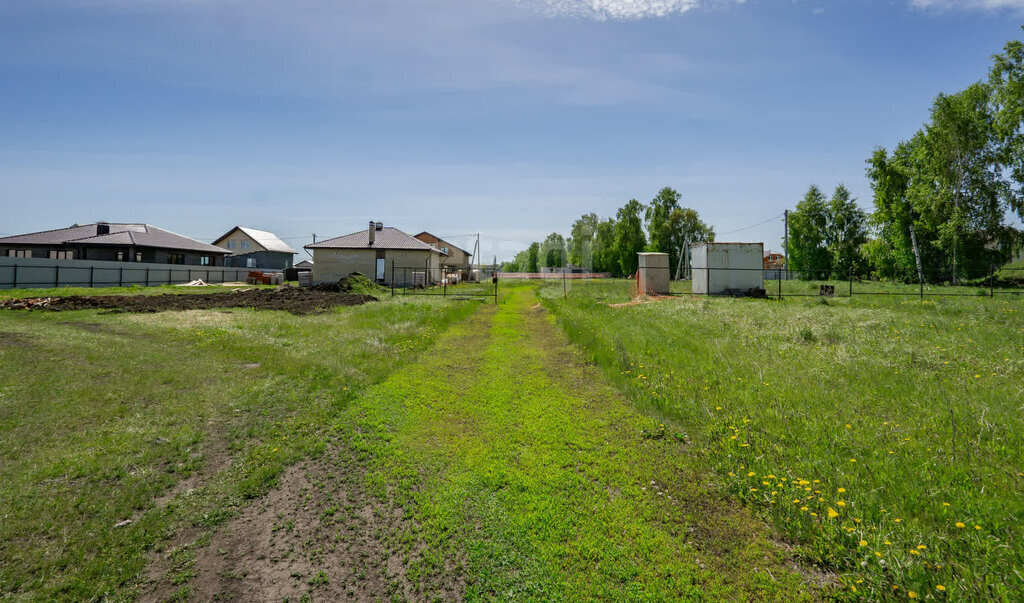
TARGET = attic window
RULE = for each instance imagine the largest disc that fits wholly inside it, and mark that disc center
(245, 245)
(231, 244)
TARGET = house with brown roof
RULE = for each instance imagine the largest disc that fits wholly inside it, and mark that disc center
(251, 248)
(113, 242)
(455, 259)
(381, 253)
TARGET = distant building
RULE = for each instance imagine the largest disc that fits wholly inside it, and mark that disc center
(381, 253)
(258, 249)
(113, 242)
(774, 259)
(455, 258)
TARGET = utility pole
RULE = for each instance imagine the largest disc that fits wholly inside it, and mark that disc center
(314, 242)
(785, 244)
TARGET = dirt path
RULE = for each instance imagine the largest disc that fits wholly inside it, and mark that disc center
(499, 466)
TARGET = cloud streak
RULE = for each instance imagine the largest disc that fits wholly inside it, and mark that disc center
(984, 5)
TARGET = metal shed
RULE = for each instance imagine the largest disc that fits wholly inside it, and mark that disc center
(652, 273)
(728, 268)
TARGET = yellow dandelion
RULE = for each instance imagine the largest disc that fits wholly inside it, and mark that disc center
(877, 554)
(911, 594)
(841, 503)
(977, 527)
(751, 474)
(832, 513)
(940, 588)
(804, 509)
(863, 543)
(921, 547)
(915, 552)
(841, 490)
(960, 525)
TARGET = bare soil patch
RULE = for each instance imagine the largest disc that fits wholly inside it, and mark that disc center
(318, 535)
(14, 340)
(291, 299)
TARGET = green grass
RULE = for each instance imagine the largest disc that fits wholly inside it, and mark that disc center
(902, 417)
(101, 416)
(520, 469)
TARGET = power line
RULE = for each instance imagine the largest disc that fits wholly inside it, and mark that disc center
(751, 226)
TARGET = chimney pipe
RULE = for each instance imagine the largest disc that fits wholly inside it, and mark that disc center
(102, 228)
(373, 230)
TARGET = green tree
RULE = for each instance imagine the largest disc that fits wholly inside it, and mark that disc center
(533, 258)
(847, 233)
(1006, 80)
(672, 226)
(629, 235)
(605, 257)
(808, 236)
(552, 251)
(581, 240)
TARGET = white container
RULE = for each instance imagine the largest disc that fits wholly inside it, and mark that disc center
(727, 268)
(652, 274)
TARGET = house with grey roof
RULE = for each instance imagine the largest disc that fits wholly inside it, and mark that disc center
(381, 253)
(115, 242)
(258, 249)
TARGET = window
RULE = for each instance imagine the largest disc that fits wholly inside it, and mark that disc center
(19, 253)
(138, 256)
(120, 256)
(205, 260)
(175, 258)
(245, 245)
(231, 244)
(62, 255)
(248, 262)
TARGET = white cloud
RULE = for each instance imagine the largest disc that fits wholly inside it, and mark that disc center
(1015, 5)
(617, 9)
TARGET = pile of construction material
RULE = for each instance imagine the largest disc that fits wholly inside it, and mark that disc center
(265, 278)
(27, 303)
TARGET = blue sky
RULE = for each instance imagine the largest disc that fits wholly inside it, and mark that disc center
(505, 117)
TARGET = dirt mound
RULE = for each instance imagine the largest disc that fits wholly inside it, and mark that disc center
(291, 299)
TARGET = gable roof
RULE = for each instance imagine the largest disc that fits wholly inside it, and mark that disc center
(426, 236)
(264, 239)
(388, 237)
(137, 235)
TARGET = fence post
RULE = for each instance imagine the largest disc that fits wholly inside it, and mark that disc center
(147, 276)
(780, 282)
(14, 285)
(120, 276)
(495, 289)
(92, 271)
(392, 278)
(56, 276)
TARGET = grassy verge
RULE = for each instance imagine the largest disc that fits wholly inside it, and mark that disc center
(883, 434)
(522, 473)
(122, 433)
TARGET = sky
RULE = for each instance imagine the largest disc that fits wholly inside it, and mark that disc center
(508, 118)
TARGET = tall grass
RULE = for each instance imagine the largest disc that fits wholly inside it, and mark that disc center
(883, 435)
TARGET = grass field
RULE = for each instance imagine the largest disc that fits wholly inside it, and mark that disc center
(882, 434)
(422, 448)
(172, 420)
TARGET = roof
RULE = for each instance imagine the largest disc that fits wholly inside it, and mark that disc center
(137, 235)
(264, 239)
(388, 237)
(439, 239)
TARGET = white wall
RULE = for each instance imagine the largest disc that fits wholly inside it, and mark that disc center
(721, 266)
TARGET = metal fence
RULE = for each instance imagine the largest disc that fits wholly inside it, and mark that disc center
(443, 282)
(781, 283)
(25, 273)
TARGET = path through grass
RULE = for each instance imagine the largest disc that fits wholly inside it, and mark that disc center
(520, 469)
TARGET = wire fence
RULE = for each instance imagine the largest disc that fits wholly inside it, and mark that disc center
(781, 283)
(439, 281)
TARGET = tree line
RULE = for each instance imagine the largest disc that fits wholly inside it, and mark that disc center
(942, 199)
(610, 244)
